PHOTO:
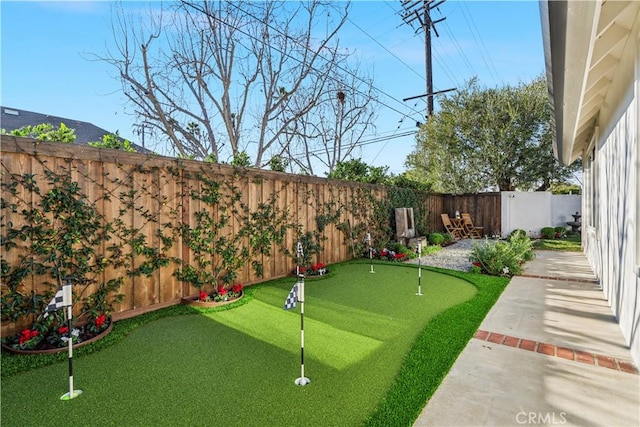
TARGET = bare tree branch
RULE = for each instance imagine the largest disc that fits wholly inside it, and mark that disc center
(244, 76)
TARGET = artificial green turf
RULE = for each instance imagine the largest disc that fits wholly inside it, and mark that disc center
(237, 367)
(569, 243)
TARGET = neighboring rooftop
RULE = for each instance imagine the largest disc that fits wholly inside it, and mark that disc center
(15, 118)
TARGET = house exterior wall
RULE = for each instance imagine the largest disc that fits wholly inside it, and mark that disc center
(611, 196)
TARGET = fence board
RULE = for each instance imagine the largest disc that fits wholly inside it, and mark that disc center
(170, 205)
(484, 208)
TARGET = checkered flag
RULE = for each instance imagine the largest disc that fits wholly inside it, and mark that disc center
(55, 304)
(292, 298)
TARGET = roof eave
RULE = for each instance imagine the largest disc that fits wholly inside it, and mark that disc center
(567, 30)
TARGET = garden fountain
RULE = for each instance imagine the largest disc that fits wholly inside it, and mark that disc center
(575, 224)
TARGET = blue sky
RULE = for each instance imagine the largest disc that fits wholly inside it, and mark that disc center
(46, 46)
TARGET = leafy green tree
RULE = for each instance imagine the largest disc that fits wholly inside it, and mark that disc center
(45, 132)
(359, 171)
(241, 159)
(565, 188)
(405, 180)
(113, 141)
(485, 137)
(278, 164)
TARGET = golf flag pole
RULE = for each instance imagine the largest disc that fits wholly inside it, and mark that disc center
(419, 252)
(302, 381)
(297, 295)
(67, 301)
(370, 252)
(299, 256)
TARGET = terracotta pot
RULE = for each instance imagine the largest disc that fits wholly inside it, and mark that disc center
(195, 302)
(61, 349)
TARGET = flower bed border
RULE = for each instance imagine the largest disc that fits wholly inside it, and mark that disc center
(195, 302)
(314, 277)
(61, 349)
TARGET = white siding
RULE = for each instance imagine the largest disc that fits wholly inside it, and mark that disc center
(611, 202)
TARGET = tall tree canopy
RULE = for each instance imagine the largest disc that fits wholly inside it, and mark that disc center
(486, 137)
(218, 78)
(358, 171)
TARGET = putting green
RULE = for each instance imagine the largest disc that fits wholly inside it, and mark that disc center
(237, 367)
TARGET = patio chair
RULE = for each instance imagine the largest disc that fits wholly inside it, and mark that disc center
(454, 231)
(471, 229)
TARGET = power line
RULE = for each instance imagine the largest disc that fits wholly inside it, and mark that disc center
(445, 68)
(382, 46)
(460, 49)
(313, 152)
(447, 71)
(420, 10)
(374, 140)
(307, 48)
(481, 46)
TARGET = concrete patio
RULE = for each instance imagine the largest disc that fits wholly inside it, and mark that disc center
(548, 353)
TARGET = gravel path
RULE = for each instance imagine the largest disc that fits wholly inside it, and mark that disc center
(453, 257)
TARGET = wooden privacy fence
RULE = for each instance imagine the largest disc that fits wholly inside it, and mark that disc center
(150, 196)
(485, 209)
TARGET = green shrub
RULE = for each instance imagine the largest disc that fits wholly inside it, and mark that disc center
(517, 232)
(496, 259)
(447, 238)
(395, 247)
(45, 132)
(113, 141)
(399, 248)
(560, 232)
(436, 238)
(522, 248)
(547, 233)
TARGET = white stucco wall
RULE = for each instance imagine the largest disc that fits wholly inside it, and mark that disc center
(612, 198)
(533, 210)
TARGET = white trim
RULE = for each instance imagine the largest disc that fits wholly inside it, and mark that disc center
(637, 165)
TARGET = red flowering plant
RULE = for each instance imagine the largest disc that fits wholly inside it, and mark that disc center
(29, 338)
(59, 337)
(98, 324)
(319, 269)
(52, 332)
(225, 293)
(221, 293)
(305, 249)
(394, 252)
(390, 255)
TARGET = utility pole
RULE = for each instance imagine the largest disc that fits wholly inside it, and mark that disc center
(420, 11)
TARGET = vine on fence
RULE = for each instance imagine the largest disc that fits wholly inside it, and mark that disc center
(58, 231)
(408, 198)
(60, 234)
